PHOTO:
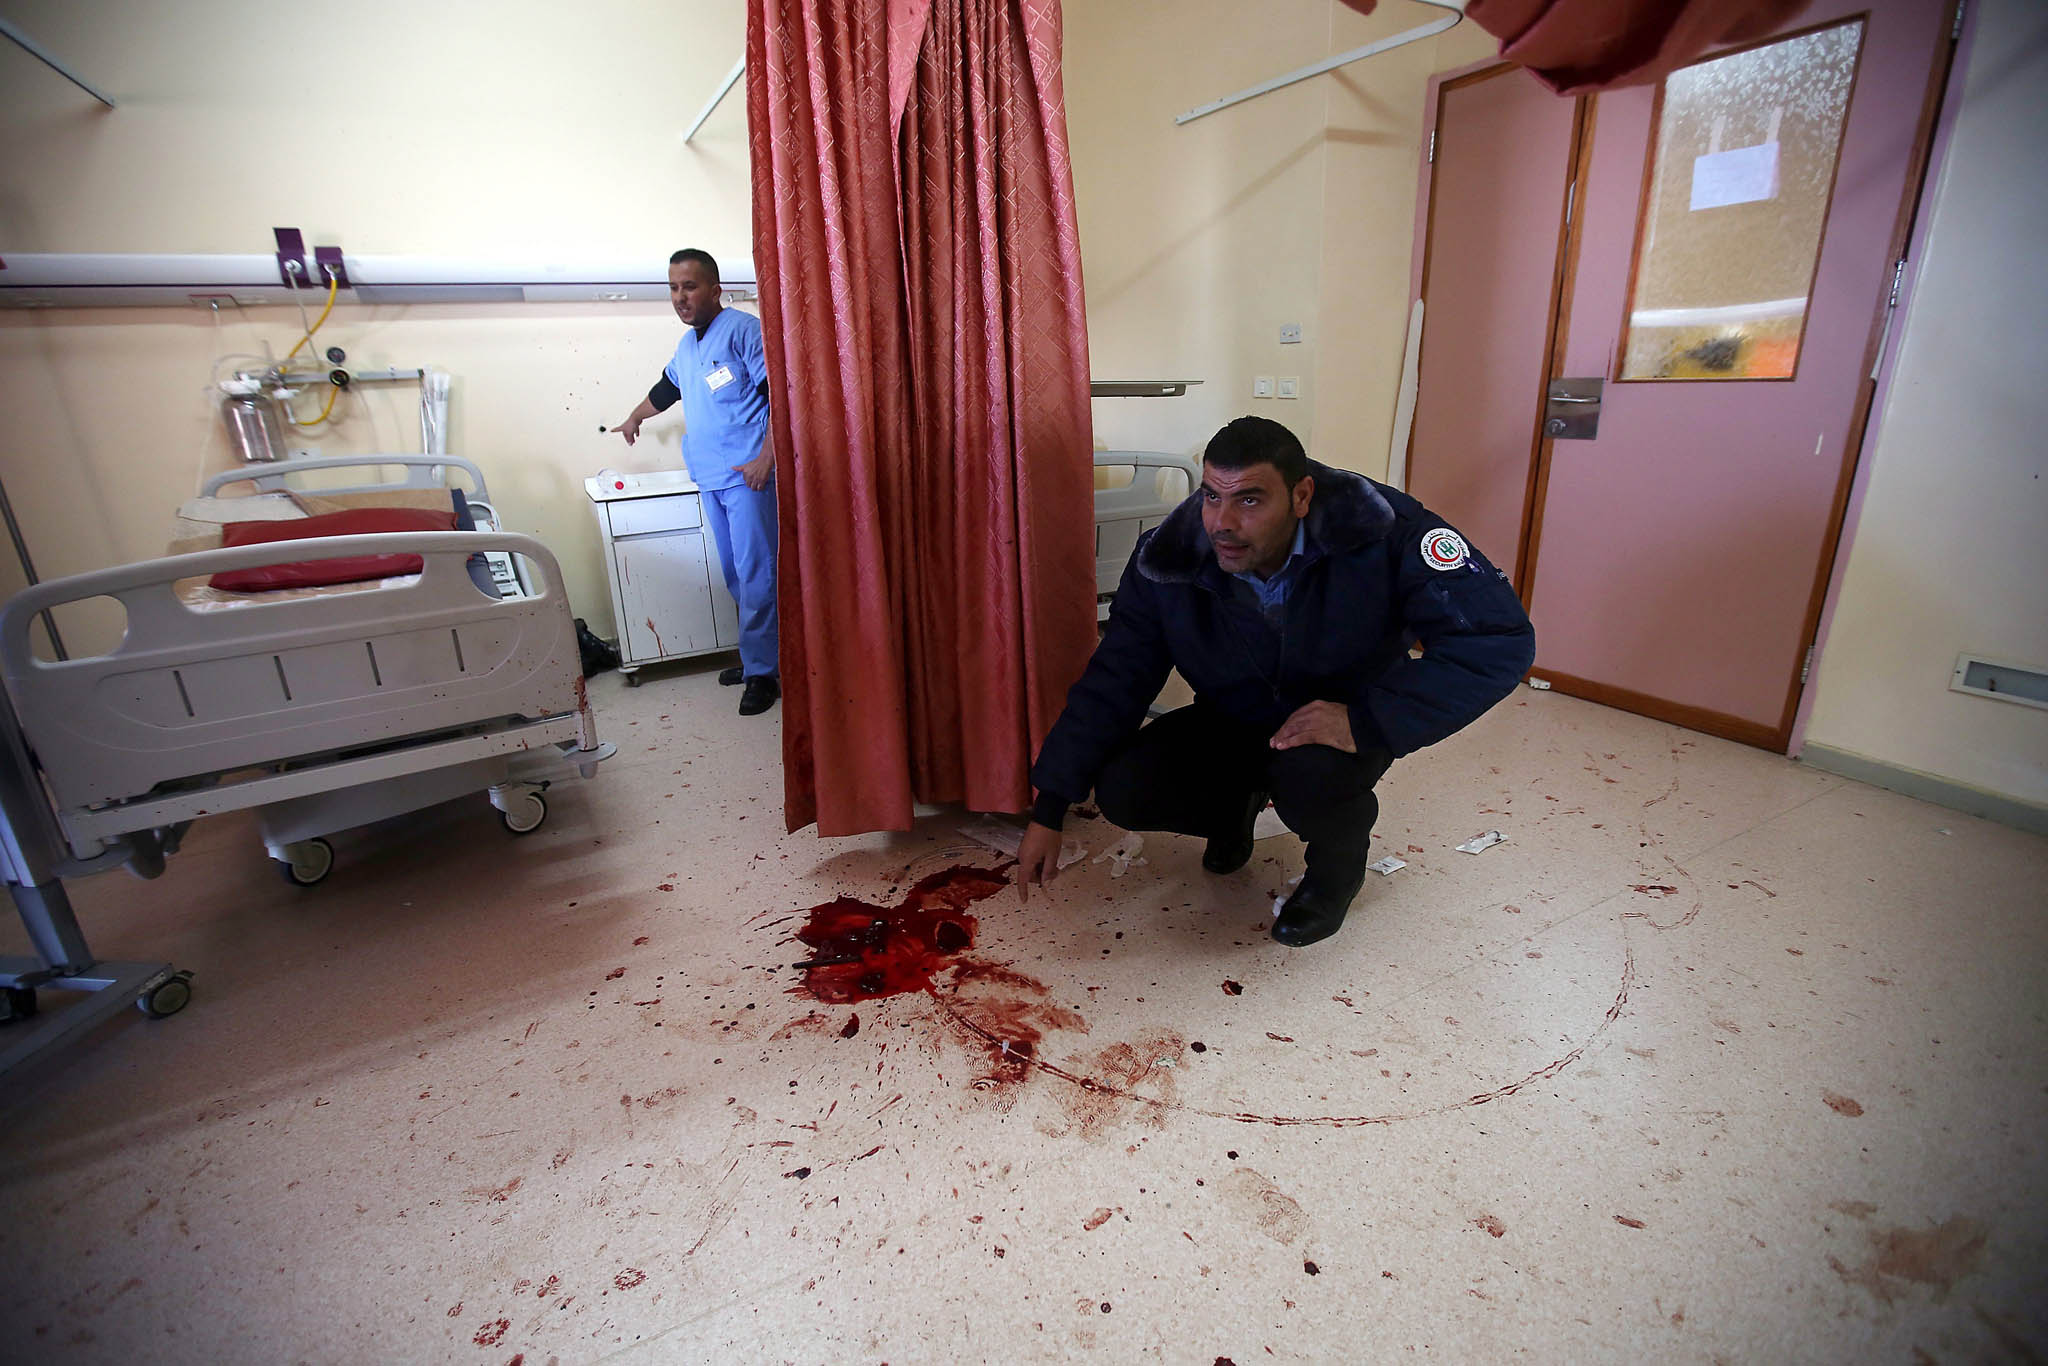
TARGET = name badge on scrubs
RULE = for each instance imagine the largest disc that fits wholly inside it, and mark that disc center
(718, 378)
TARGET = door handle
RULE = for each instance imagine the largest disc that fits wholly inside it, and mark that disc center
(1572, 409)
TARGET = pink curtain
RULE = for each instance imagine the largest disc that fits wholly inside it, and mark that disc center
(1579, 46)
(914, 233)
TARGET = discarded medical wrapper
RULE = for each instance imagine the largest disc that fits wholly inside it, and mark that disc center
(1008, 839)
(1123, 855)
(1388, 866)
(1480, 842)
(1281, 900)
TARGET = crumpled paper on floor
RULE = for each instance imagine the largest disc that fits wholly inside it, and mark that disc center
(1123, 855)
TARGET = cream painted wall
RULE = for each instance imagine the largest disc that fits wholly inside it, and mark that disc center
(1951, 547)
(508, 129)
(1198, 241)
(1374, 143)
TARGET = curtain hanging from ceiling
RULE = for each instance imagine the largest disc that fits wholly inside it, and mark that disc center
(920, 278)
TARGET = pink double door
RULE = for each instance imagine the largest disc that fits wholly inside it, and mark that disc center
(1651, 324)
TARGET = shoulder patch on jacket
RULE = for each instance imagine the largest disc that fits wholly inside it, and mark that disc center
(1444, 549)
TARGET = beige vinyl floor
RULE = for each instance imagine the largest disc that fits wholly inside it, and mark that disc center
(1716, 1058)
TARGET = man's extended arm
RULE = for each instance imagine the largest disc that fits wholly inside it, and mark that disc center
(1103, 709)
(663, 396)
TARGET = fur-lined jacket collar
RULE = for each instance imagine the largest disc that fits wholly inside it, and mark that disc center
(1346, 512)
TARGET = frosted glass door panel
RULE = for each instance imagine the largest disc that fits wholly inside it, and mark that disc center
(1746, 147)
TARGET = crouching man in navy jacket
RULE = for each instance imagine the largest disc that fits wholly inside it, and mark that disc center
(1287, 594)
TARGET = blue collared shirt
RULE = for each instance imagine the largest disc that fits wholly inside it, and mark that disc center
(1272, 592)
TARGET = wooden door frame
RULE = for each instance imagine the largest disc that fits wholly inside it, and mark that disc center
(1563, 272)
(1835, 538)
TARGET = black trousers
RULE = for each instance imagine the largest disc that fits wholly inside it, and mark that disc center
(1192, 771)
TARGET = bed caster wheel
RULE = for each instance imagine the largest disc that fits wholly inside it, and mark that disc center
(307, 862)
(632, 679)
(167, 997)
(525, 814)
(19, 1004)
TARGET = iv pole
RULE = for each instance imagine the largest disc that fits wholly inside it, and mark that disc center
(28, 568)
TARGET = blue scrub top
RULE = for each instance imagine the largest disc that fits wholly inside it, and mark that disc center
(725, 414)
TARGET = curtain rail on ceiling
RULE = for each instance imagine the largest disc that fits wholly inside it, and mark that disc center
(37, 51)
(1450, 21)
(731, 79)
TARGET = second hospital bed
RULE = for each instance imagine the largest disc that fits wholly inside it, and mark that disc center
(321, 709)
(1127, 509)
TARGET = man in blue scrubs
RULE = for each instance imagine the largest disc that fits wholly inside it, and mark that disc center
(720, 375)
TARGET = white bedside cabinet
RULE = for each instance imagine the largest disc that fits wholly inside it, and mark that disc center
(668, 595)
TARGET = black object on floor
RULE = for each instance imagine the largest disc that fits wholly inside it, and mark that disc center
(731, 678)
(760, 695)
(598, 653)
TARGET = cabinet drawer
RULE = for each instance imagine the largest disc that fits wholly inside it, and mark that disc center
(637, 516)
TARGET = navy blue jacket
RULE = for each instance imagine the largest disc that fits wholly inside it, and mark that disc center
(1368, 587)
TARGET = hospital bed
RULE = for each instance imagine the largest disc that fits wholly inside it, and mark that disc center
(1126, 509)
(321, 708)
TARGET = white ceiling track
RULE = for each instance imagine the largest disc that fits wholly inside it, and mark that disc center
(732, 78)
(42, 54)
(1455, 14)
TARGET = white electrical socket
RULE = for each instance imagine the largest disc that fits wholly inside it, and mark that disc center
(1290, 333)
(1262, 386)
(1290, 386)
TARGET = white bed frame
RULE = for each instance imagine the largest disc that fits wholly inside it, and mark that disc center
(1124, 514)
(322, 712)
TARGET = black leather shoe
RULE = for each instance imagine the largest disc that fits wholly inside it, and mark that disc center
(762, 690)
(1232, 850)
(1314, 912)
(731, 678)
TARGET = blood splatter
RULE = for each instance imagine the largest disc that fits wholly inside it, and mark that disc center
(1311, 1268)
(1491, 1224)
(852, 1026)
(861, 951)
(1842, 1105)
(629, 1278)
(1097, 1220)
(1936, 1257)
(1627, 1222)
(615, 974)
(492, 1333)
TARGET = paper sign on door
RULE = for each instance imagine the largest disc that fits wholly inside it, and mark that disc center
(1740, 175)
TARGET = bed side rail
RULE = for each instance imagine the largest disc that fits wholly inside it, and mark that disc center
(418, 472)
(191, 693)
(1124, 514)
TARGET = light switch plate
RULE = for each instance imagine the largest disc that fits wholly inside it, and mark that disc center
(1290, 386)
(1262, 386)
